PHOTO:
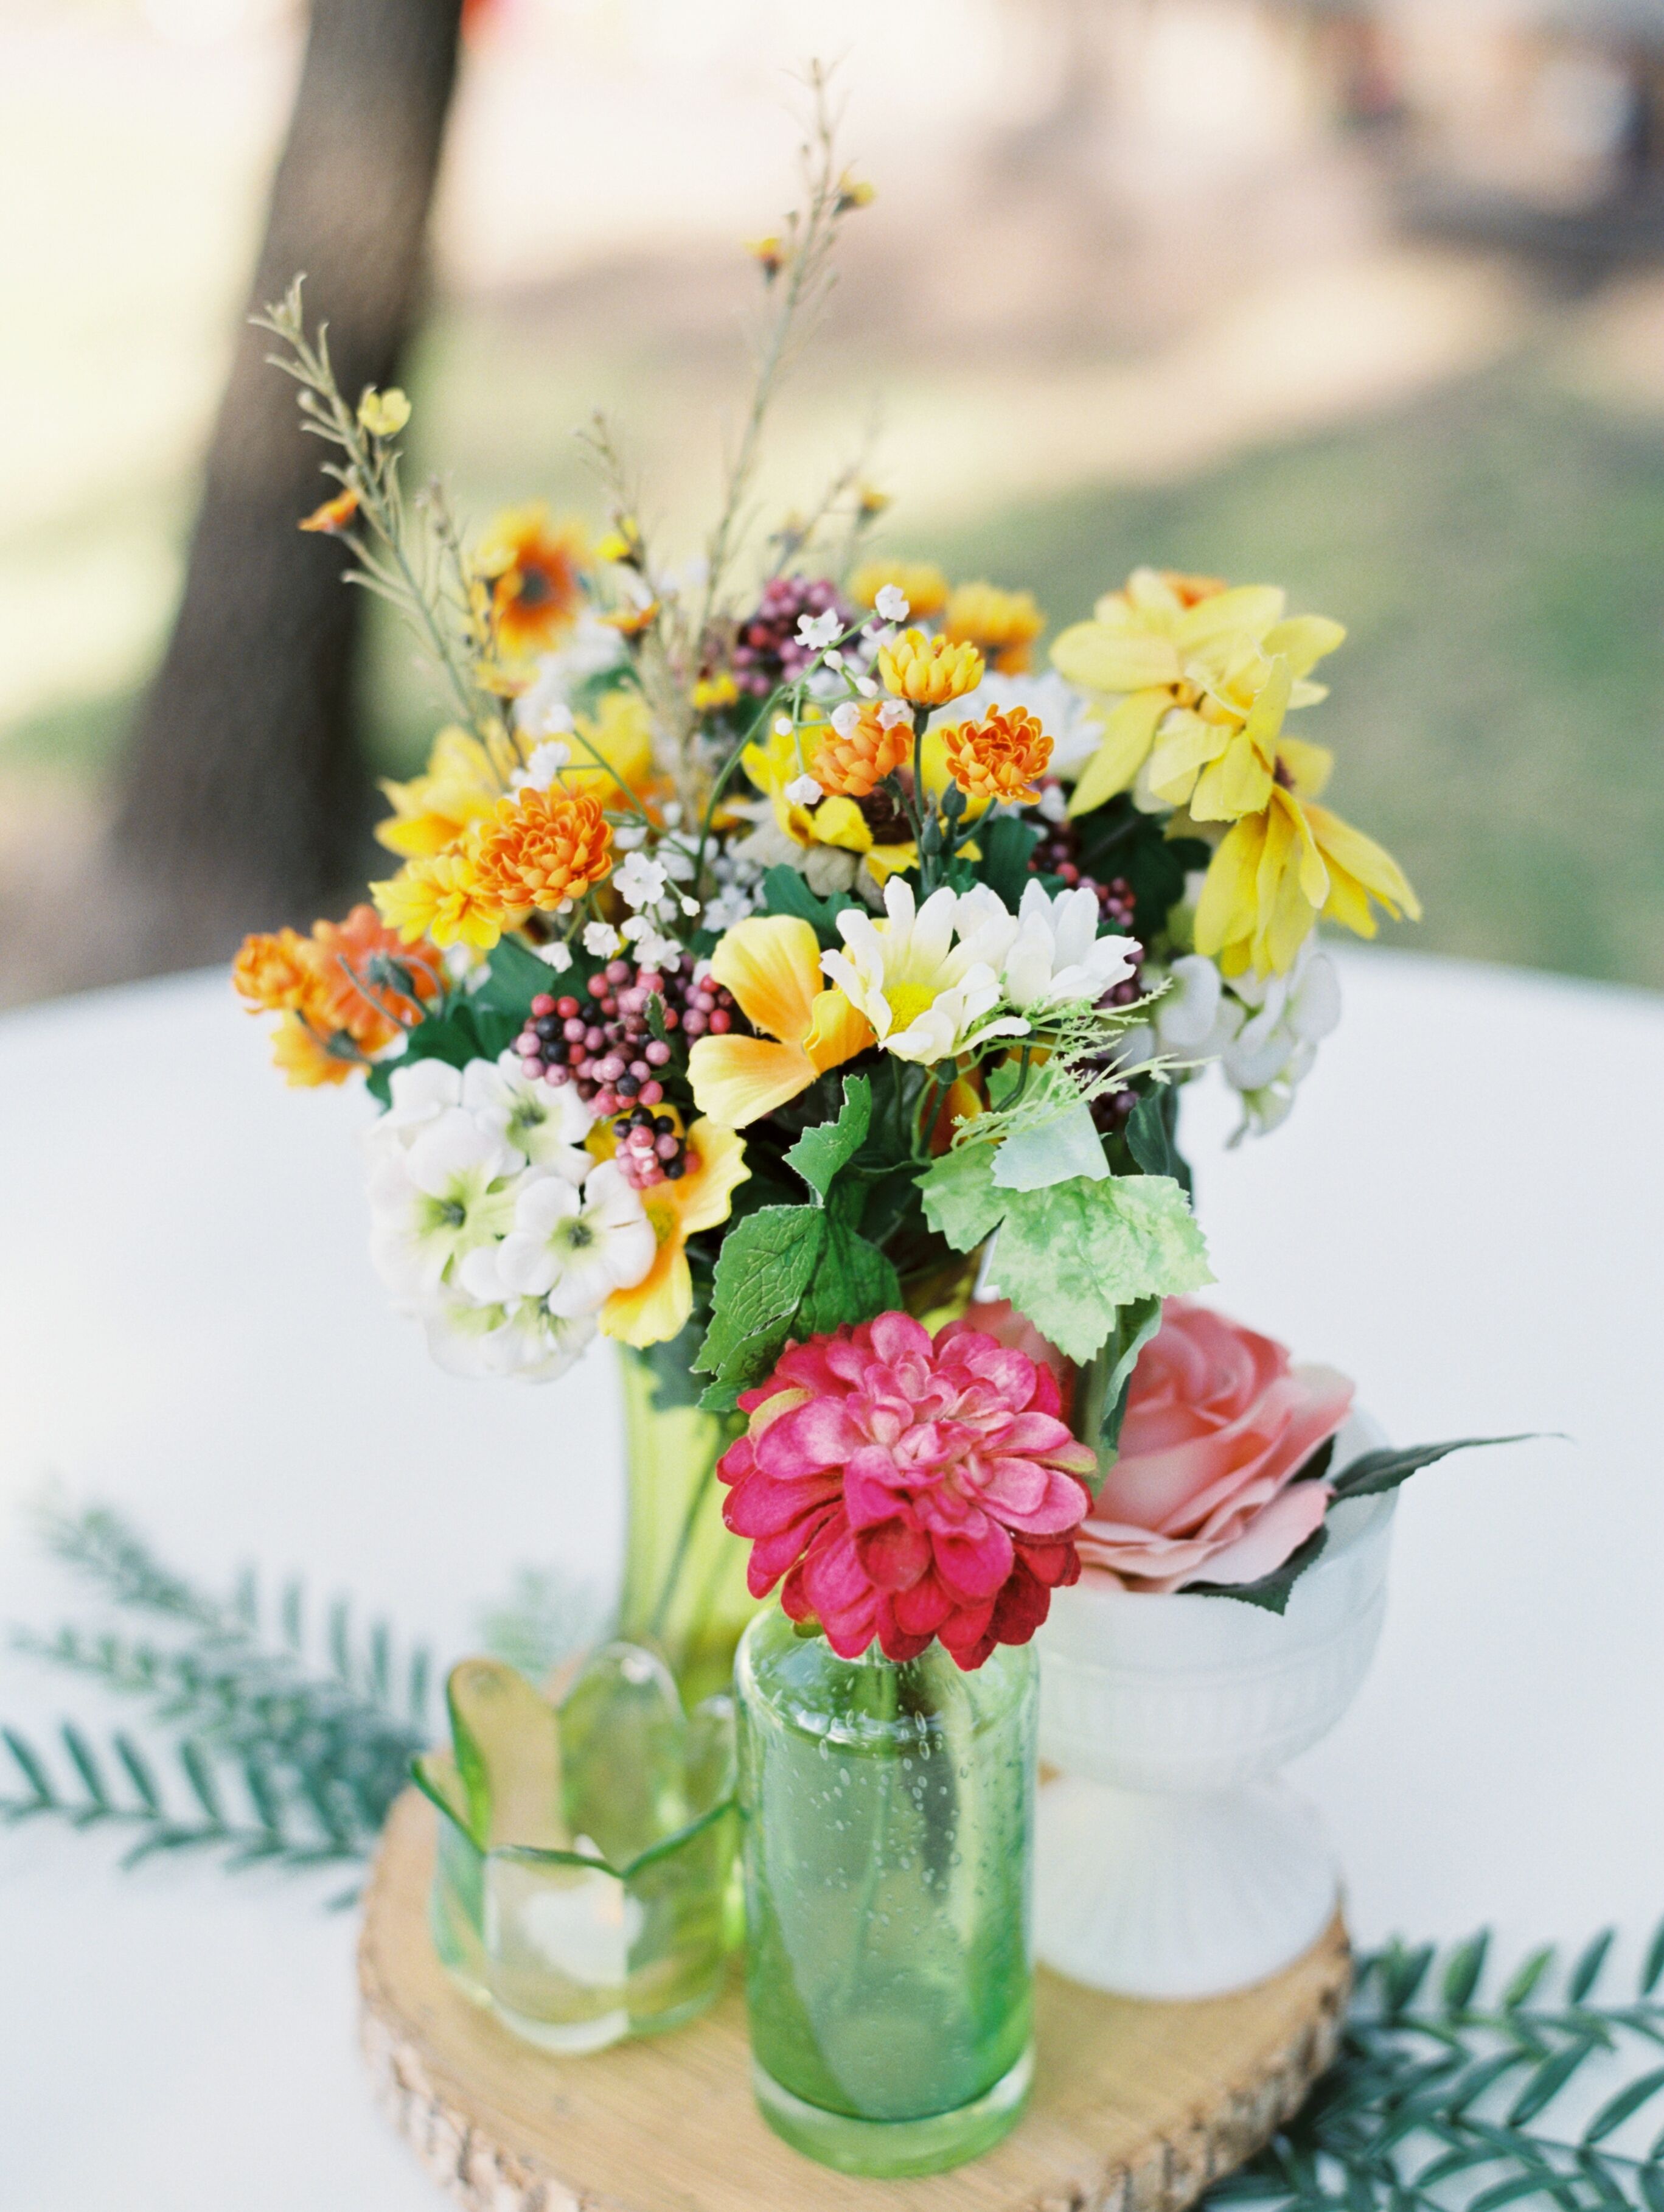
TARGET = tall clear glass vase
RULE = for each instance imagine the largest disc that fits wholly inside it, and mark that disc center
(888, 1815)
(684, 1590)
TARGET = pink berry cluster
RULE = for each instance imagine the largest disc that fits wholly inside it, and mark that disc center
(651, 1148)
(602, 1041)
(767, 650)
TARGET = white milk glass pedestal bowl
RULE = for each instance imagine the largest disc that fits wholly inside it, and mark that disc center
(1170, 1861)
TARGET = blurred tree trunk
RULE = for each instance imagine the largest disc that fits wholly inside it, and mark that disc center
(245, 798)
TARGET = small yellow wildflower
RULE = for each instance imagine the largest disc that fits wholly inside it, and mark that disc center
(854, 192)
(870, 500)
(929, 670)
(442, 898)
(769, 254)
(384, 414)
(921, 583)
(1005, 624)
(712, 693)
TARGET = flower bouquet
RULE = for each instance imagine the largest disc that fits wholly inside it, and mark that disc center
(784, 977)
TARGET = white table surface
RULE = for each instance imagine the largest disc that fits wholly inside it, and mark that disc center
(1465, 1212)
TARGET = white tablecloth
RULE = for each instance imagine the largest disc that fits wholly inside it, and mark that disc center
(1465, 1212)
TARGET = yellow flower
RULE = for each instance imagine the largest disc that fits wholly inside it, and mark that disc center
(928, 671)
(441, 896)
(1158, 644)
(1005, 624)
(772, 964)
(854, 192)
(431, 811)
(657, 1308)
(921, 583)
(712, 692)
(1278, 870)
(534, 571)
(384, 414)
(621, 730)
(870, 502)
(770, 254)
(333, 516)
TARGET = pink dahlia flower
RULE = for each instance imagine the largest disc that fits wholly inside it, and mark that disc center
(909, 1487)
(1218, 1423)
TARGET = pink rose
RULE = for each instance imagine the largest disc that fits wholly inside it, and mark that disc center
(1219, 1422)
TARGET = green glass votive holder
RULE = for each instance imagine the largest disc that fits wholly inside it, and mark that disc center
(888, 1818)
(585, 1886)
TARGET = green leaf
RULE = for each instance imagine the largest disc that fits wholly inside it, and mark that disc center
(763, 1273)
(514, 977)
(1042, 1153)
(200, 1776)
(1148, 1138)
(1627, 2102)
(820, 1152)
(138, 1773)
(1651, 2179)
(1653, 1964)
(1547, 2082)
(1587, 1972)
(1073, 1255)
(462, 1035)
(960, 1201)
(1507, 2192)
(1270, 1592)
(1527, 1979)
(1376, 1471)
(80, 1756)
(29, 1764)
(1461, 1976)
(1007, 845)
(1134, 1327)
(785, 891)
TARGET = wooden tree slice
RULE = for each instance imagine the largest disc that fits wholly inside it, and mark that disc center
(1137, 2106)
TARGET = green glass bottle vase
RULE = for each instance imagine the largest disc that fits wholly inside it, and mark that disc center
(887, 1814)
(684, 1592)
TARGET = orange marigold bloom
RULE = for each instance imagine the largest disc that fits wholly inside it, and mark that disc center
(852, 767)
(921, 583)
(534, 572)
(322, 984)
(273, 971)
(333, 516)
(543, 847)
(630, 622)
(999, 757)
(929, 670)
(1004, 624)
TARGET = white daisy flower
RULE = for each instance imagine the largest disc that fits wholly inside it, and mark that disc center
(435, 1200)
(544, 1125)
(572, 1249)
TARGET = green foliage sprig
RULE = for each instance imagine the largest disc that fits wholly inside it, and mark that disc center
(283, 1755)
(1445, 2096)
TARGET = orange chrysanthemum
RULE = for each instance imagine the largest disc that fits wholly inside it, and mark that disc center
(999, 757)
(928, 671)
(542, 848)
(1004, 625)
(534, 572)
(323, 987)
(853, 767)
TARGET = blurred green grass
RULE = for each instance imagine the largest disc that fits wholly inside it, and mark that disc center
(1496, 552)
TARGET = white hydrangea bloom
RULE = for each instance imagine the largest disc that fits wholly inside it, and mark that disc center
(542, 1124)
(601, 938)
(641, 882)
(891, 603)
(521, 1340)
(572, 1249)
(434, 1200)
(819, 631)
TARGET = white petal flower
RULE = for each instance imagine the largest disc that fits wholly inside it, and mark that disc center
(925, 994)
(419, 1090)
(1187, 1013)
(436, 1200)
(689, 906)
(818, 631)
(572, 1249)
(891, 603)
(539, 1122)
(845, 716)
(601, 938)
(1058, 956)
(655, 950)
(522, 1340)
(866, 687)
(803, 791)
(545, 764)
(893, 712)
(641, 882)
(557, 955)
